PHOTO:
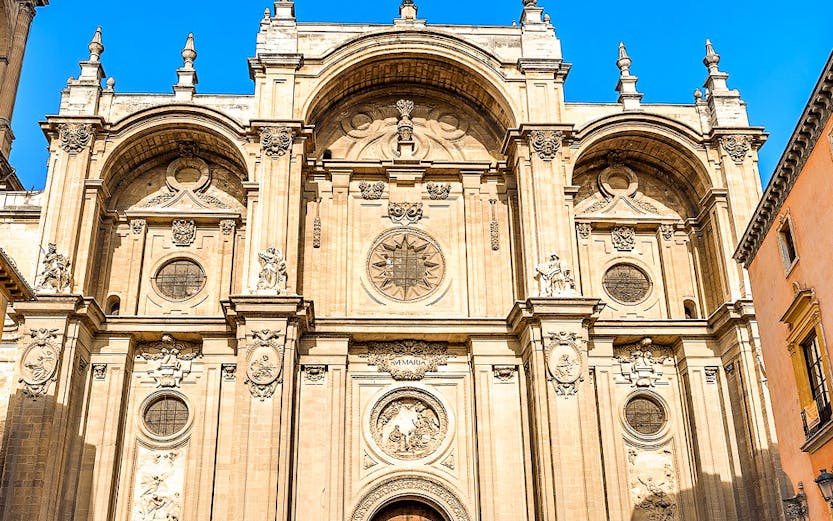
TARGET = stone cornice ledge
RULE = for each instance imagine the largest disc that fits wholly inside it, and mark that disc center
(533, 310)
(74, 307)
(802, 143)
(239, 308)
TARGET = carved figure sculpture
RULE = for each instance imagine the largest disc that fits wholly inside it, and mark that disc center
(273, 272)
(55, 276)
(554, 279)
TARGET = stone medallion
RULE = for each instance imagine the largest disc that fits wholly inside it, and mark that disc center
(409, 424)
(39, 362)
(405, 264)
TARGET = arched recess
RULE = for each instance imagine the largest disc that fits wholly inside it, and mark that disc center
(428, 490)
(646, 245)
(432, 60)
(154, 135)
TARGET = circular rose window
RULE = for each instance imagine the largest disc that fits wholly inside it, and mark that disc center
(627, 283)
(645, 415)
(180, 279)
(408, 424)
(406, 265)
(166, 416)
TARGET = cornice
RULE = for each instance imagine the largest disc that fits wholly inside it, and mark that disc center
(802, 143)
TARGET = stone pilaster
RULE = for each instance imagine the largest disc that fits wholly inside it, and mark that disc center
(562, 413)
(267, 331)
(43, 443)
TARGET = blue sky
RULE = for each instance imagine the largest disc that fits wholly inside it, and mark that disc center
(774, 53)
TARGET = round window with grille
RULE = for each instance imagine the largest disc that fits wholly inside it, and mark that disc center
(180, 279)
(166, 416)
(645, 415)
(627, 284)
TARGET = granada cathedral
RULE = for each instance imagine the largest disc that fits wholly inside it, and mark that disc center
(405, 280)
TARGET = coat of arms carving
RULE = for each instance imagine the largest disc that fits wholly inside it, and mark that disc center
(183, 232)
(407, 360)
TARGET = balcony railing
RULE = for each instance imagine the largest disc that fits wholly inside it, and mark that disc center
(825, 413)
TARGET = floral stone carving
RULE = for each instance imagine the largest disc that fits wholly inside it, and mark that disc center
(169, 359)
(372, 192)
(405, 127)
(408, 424)
(554, 279)
(405, 213)
(265, 363)
(39, 363)
(438, 192)
(546, 143)
(55, 275)
(564, 362)
(407, 360)
(273, 272)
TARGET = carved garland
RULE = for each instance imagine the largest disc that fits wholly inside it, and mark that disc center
(372, 192)
(438, 192)
(494, 227)
(409, 486)
(265, 363)
(405, 213)
(39, 363)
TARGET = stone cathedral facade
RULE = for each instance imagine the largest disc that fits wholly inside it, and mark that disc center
(405, 279)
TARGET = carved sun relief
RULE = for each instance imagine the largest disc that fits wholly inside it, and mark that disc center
(409, 424)
(406, 265)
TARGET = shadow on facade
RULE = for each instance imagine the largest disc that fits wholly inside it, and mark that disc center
(46, 466)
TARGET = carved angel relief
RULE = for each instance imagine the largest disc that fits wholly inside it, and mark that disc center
(265, 363)
(159, 485)
(653, 484)
(641, 364)
(169, 359)
(564, 362)
(39, 363)
(407, 360)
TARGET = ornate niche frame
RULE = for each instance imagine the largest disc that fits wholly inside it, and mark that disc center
(154, 441)
(421, 488)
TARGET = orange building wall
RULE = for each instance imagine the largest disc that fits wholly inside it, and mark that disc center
(810, 205)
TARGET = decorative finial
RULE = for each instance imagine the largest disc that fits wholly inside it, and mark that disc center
(530, 3)
(712, 59)
(189, 53)
(698, 95)
(624, 62)
(267, 14)
(96, 47)
(408, 10)
(111, 84)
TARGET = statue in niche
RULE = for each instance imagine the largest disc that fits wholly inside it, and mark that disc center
(554, 279)
(273, 272)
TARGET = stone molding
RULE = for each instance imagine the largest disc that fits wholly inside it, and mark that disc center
(407, 486)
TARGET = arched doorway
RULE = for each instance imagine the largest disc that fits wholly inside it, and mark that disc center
(408, 511)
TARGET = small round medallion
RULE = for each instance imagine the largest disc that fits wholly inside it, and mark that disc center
(406, 264)
(409, 424)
